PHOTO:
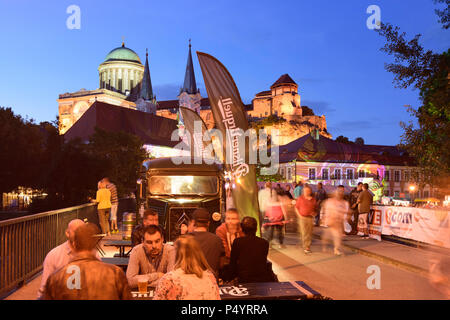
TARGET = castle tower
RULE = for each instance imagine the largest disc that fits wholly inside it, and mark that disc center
(189, 96)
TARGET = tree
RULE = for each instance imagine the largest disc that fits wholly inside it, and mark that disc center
(359, 141)
(343, 139)
(413, 66)
(121, 155)
(307, 111)
(21, 150)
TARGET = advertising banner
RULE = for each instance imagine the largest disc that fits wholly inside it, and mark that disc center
(426, 225)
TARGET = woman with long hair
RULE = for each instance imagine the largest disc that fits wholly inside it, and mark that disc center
(192, 278)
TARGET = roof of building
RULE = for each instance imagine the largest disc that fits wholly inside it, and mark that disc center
(323, 149)
(284, 79)
(204, 105)
(189, 85)
(264, 93)
(152, 129)
(122, 54)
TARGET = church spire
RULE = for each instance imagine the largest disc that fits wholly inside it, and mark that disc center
(189, 78)
(146, 88)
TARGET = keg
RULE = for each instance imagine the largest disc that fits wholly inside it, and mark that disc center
(128, 223)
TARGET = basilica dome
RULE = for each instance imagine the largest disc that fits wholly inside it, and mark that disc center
(122, 54)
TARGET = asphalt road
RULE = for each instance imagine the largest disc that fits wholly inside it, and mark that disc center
(345, 277)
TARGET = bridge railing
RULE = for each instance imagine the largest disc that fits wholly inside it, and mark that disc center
(25, 241)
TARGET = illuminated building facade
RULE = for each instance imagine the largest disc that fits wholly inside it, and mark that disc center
(315, 158)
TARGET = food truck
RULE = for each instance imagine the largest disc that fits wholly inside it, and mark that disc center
(176, 190)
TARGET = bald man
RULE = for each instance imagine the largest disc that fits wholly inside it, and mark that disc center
(59, 256)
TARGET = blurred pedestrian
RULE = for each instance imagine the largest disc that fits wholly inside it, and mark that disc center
(353, 217)
(289, 192)
(192, 278)
(264, 196)
(114, 204)
(320, 196)
(298, 190)
(335, 209)
(275, 219)
(85, 277)
(103, 199)
(306, 210)
(365, 200)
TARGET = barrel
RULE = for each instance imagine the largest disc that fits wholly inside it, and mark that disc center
(128, 223)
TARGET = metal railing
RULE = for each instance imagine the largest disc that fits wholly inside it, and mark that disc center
(25, 241)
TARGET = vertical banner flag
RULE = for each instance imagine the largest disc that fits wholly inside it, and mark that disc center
(199, 136)
(230, 118)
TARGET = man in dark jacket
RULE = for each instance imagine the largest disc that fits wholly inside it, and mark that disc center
(248, 260)
(85, 277)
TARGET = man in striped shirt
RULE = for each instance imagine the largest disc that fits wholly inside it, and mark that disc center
(114, 204)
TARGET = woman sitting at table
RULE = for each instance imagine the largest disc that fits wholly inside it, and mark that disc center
(192, 278)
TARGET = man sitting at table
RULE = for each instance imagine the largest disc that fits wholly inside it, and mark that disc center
(248, 261)
(61, 255)
(151, 259)
(150, 219)
(86, 278)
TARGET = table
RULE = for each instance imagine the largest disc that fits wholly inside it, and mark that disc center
(121, 262)
(293, 290)
(121, 244)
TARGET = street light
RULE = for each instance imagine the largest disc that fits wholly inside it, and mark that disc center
(411, 189)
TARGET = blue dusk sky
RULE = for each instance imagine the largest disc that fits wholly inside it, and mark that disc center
(325, 46)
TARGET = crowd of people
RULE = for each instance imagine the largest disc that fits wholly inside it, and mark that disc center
(280, 206)
(191, 268)
(199, 260)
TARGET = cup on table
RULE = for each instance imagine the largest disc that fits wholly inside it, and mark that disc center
(143, 285)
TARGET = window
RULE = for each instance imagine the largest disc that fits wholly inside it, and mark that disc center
(350, 174)
(120, 85)
(425, 194)
(325, 174)
(396, 176)
(289, 174)
(406, 176)
(386, 193)
(396, 193)
(337, 174)
(131, 85)
(361, 174)
(265, 113)
(387, 175)
(312, 174)
(282, 172)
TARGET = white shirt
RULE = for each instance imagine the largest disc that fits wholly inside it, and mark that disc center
(264, 195)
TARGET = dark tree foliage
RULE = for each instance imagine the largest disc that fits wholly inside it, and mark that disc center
(427, 71)
(21, 151)
(121, 155)
(444, 14)
(307, 111)
(36, 156)
(359, 141)
(343, 139)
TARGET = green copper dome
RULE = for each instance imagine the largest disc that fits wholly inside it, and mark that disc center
(123, 54)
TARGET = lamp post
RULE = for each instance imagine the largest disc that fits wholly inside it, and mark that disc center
(411, 190)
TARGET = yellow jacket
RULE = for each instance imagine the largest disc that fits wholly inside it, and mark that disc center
(103, 199)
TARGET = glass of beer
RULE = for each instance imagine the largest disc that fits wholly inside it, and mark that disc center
(142, 285)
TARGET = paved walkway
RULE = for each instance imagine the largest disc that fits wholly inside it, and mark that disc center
(404, 269)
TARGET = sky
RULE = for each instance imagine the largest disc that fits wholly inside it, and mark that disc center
(325, 46)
